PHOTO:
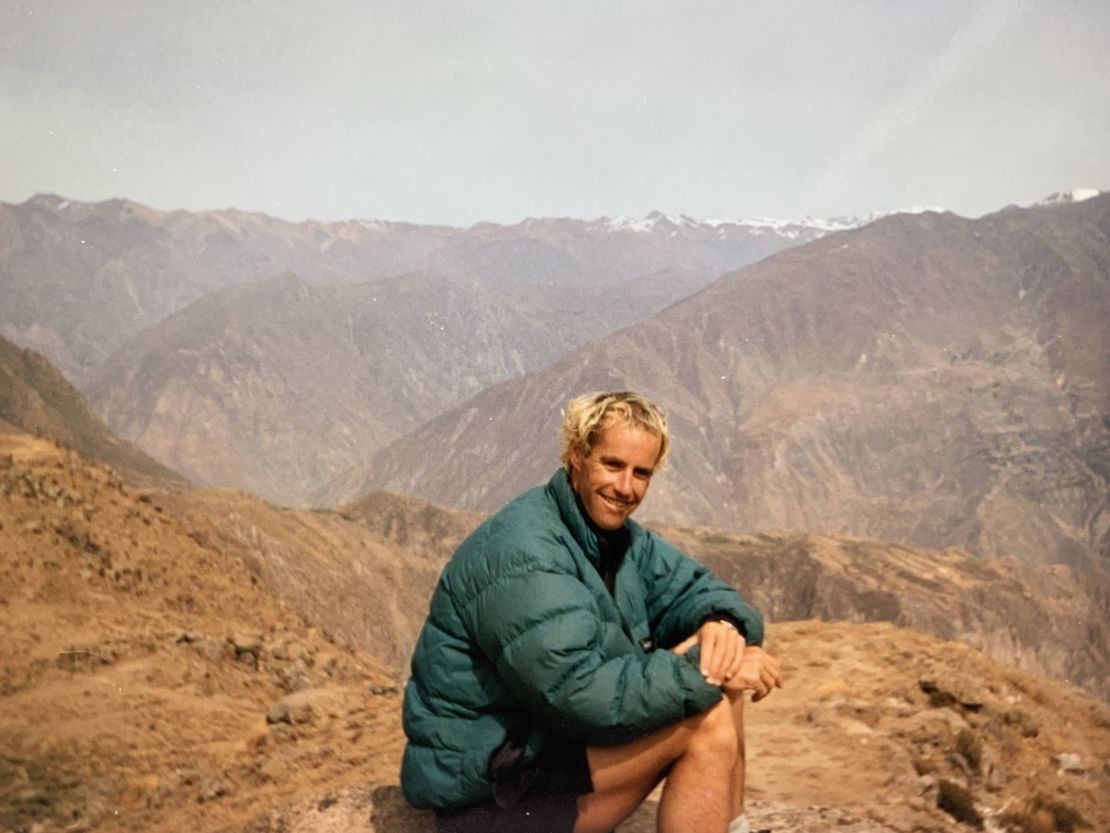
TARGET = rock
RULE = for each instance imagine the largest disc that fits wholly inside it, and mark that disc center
(1069, 762)
(212, 789)
(937, 721)
(994, 776)
(247, 647)
(939, 697)
(1021, 721)
(211, 649)
(279, 713)
(959, 764)
(305, 707)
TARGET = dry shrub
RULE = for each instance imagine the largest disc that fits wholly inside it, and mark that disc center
(968, 745)
(1022, 821)
(1064, 818)
(957, 802)
(1043, 815)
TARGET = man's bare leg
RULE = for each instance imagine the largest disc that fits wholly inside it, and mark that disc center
(697, 794)
(701, 752)
(736, 700)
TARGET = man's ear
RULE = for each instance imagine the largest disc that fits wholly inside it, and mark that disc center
(576, 456)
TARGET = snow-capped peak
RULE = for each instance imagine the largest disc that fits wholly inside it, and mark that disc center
(1068, 197)
(653, 221)
(657, 221)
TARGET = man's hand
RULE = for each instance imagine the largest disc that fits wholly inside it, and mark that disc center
(722, 650)
(756, 671)
(759, 673)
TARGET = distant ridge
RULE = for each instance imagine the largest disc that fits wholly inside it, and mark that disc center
(80, 278)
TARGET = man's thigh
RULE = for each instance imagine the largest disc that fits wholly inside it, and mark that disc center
(623, 776)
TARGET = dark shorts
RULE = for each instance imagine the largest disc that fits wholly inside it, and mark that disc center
(538, 797)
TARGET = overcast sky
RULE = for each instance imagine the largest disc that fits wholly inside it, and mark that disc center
(456, 112)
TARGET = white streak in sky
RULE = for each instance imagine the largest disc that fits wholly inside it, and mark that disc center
(970, 40)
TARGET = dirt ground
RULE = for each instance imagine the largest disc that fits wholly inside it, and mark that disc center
(148, 683)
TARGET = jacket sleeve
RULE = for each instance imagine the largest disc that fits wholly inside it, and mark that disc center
(681, 592)
(572, 670)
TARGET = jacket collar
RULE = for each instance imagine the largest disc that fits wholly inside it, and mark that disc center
(574, 517)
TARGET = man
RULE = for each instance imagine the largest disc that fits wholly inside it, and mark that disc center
(572, 660)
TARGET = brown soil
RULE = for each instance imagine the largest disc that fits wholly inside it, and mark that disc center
(148, 682)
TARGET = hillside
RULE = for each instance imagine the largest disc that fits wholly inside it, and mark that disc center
(149, 682)
(139, 667)
(364, 576)
(927, 379)
(36, 399)
(1052, 620)
(366, 572)
(276, 385)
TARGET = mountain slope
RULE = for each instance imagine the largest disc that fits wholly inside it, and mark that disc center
(35, 398)
(363, 575)
(275, 385)
(367, 571)
(139, 666)
(926, 379)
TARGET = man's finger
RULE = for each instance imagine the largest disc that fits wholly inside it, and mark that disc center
(771, 665)
(685, 645)
(709, 651)
(721, 649)
(737, 660)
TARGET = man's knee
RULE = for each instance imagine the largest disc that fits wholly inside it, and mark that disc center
(716, 733)
(737, 707)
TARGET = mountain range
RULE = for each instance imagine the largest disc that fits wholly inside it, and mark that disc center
(79, 279)
(926, 379)
(245, 350)
(200, 660)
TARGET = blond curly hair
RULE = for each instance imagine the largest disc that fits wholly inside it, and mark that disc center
(587, 416)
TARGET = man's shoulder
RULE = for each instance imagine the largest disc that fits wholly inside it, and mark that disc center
(527, 530)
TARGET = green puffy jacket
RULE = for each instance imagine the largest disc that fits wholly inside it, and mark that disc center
(523, 632)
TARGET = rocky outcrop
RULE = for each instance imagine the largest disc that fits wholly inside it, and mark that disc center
(1053, 620)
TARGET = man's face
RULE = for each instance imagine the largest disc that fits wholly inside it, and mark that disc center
(613, 478)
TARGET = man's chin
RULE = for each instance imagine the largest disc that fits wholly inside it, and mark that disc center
(612, 518)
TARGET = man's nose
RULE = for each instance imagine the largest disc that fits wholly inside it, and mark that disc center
(624, 482)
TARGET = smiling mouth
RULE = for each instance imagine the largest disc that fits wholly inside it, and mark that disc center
(616, 505)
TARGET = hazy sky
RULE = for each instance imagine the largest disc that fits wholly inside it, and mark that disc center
(456, 112)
